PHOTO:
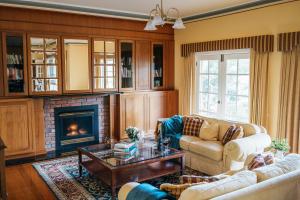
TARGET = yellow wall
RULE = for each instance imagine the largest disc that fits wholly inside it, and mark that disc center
(269, 20)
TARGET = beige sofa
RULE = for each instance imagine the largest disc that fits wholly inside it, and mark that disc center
(278, 181)
(212, 158)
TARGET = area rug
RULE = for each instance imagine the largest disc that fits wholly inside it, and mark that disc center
(62, 177)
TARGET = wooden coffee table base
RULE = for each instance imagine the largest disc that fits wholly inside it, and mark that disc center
(115, 177)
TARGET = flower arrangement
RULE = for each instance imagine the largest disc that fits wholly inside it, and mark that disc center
(133, 133)
(280, 145)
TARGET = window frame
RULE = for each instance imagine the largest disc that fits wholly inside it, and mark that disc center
(220, 55)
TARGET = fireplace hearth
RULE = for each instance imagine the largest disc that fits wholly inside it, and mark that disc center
(76, 126)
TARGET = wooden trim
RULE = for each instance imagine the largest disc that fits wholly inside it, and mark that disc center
(138, 76)
(3, 194)
(133, 66)
(59, 60)
(261, 43)
(116, 65)
(1, 68)
(65, 91)
(287, 41)
(164, 65)
(23, 35)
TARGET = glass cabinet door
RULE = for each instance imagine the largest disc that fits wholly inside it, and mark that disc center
(157, 65)
(44, 65)
(104, 65)
(14, 64)
(126, 65)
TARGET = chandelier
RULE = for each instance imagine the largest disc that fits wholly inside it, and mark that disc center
(158, 17)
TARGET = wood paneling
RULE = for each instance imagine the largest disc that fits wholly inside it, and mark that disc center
(23, 182)
(3, 195)
(41, 21)
(17, 127)
(132, 112)
(143, 64)
(169, 75)
(143, 109)
(21, 128)
(1, 69)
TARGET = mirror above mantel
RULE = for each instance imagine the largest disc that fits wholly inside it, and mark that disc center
(76, 65)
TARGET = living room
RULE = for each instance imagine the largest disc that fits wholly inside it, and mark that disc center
(148, 100)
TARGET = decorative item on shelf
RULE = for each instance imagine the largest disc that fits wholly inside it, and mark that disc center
(280, 147)
(158, 17)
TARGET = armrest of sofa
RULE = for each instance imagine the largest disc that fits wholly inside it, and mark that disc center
(239, 149)
(125, 189)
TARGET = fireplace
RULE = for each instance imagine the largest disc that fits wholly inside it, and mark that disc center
(76, 126)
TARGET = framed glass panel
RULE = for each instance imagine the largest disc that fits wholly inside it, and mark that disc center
(99, 83)
(37, 44)
(51, 71)
(157, 64)
(51, 57)
(38, 85)
(37, 71)
(98, 46)
(37, 57)
(99, 59)
(50, 44)
(51, 84)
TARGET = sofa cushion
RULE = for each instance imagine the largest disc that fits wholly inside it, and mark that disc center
(288, 164)
(209, 131)
(232, 133)
(185, 141)
(192, 125)
(209, 149)
(210, 190)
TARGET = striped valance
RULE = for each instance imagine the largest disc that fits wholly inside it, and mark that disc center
(287, 41)
(262, 43)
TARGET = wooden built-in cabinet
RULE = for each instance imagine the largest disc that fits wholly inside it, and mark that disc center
(143, 64)
(20, 129)
(14, 67)
(157, 65)
(127, 65)
(142, 109)
(1, 70)
(104, 69)
(44, 61)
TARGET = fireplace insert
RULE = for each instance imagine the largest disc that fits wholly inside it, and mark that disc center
(76, 126)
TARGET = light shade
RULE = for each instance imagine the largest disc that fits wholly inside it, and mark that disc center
(149, 26)
(178, 24)
(157, 20)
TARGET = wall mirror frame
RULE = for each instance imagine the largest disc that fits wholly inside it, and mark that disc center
(19, 74)
(49, 72)
(104, 64)
(83, 47)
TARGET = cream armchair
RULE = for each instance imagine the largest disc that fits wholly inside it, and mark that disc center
(211, 157)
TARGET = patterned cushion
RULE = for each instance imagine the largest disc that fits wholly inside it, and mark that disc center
(192, 125)
(176, 190)
(232, 133)
(197, 179)
(260, 160)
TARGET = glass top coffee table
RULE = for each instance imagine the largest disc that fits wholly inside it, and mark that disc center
(148, 163)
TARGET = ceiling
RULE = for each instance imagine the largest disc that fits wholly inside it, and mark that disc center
(141, 8)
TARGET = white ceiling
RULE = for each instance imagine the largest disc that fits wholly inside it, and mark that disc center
(186, 7)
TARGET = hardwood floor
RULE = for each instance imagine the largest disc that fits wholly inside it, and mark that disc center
(23, 182)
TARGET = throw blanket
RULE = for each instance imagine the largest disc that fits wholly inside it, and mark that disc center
(146, 191)
(172, 128)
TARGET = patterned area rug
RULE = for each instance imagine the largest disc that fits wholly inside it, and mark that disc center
(62, 177)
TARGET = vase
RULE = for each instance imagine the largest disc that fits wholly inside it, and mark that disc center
(279, 154)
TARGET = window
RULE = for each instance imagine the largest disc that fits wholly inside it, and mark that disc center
(223, 84)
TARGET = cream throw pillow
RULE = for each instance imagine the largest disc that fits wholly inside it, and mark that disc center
(209, 131)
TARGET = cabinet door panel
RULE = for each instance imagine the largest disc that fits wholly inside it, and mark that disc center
(157, 108)
(1, 69)
(143, 62)
(16, 129)
(133, 109)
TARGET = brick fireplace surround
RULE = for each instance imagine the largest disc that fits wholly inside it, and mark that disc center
(57, 102)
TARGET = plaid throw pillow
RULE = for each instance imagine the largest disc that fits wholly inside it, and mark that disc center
(232, 133)
(197, 179)
(192, 125)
